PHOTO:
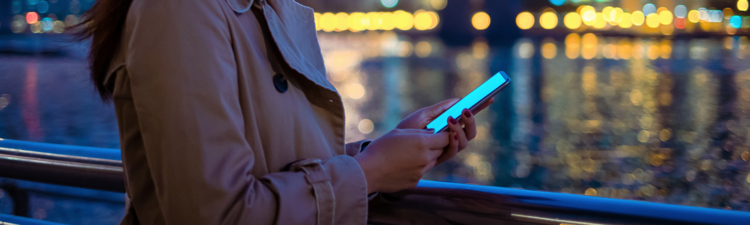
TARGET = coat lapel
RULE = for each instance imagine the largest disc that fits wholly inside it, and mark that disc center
(292, 27)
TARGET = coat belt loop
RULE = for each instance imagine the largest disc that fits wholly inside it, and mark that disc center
(317, 176)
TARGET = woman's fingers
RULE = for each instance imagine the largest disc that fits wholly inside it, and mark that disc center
(451, 151)
(457, 128)
(470, 127)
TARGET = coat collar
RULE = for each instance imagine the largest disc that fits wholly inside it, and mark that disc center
(292, 27)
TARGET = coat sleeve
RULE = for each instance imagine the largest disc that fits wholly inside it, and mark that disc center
(184, 87)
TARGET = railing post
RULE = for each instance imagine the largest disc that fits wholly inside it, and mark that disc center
(20, 199)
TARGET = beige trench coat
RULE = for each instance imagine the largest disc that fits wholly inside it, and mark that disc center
(206, 130)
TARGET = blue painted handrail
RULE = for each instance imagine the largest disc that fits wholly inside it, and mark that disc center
(431, 202)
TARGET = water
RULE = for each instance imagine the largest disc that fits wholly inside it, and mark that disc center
(654, 119)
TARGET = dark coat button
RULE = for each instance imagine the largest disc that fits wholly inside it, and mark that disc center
(279, 81)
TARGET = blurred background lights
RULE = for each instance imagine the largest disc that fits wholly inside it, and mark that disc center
(422, 20)
(42, 7)
(328, 22)
(548, 20)
(638, 18)
(680, 11)
(524, 20)
(403, 20)
(438, 4)
(652, 20)
(389, 3)
(572, 20)
(649, 9)
(728, 13)
(626, 21)
(588, 15)
(736, 21)
(481, 20)
(742, 5)
(32, 17)
(15, 7)
(557, 2)
(365, 126)
(694, 16)
(665, 17)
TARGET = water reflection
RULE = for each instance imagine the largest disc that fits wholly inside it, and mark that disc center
(656, 119)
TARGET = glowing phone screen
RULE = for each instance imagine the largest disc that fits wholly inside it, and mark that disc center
(467, 102)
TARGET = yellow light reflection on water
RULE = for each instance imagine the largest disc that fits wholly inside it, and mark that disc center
(549, 50)
(423, 49)
(572, 20)
(589, 45)
(624, 49)
(548, 20)
(481, 20)
(573, 46)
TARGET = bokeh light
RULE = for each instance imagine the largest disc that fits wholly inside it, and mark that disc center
(694, 16)
(736, 21)
(627, 21)
(365, 126)
(389, 3)
(557, 2)
(588, 15)
(548, 20)
(32, 17)
(680, 11)
(422, 20)
(665, 17)
(403, 20)
(652, 20)
(649, 9)
(742, 5)
(438, 4)
(572, 20)
(481, 20)
(638, 18)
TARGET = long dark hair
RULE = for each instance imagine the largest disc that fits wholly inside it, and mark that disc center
(103, 23)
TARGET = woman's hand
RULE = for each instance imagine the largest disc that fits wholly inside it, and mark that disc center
(461, 132)
(397, 160)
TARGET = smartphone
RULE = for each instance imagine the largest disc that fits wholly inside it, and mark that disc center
(474, 99)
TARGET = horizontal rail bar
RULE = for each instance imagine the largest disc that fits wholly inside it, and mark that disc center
(431, 202)
(41, 162)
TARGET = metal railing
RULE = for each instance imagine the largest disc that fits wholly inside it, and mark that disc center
(430, 203)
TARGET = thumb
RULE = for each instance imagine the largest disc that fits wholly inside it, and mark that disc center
(434, 111)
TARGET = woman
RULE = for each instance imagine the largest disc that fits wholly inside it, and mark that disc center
(226, 117)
